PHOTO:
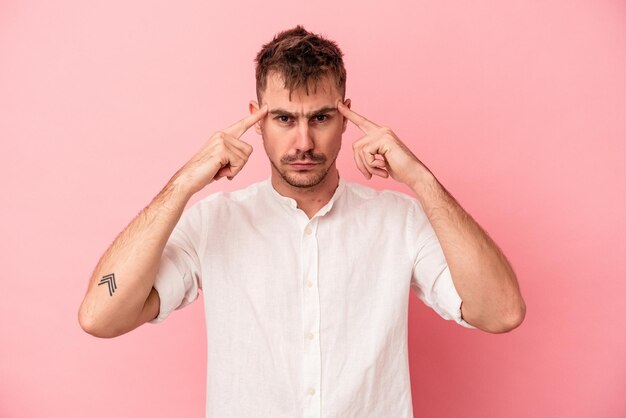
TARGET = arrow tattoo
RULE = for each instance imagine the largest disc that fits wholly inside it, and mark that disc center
(110, 280)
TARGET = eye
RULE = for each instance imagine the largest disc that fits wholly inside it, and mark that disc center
(284, 119)
(321, 118)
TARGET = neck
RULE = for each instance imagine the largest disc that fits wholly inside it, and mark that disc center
(309, 199)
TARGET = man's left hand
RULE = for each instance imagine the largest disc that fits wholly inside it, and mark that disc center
(380, 152)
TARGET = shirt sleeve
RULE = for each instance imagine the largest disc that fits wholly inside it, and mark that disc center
(431, 280)
(178, 280)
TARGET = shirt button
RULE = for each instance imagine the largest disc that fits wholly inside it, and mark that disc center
(308, 230)
(310, 335)
(311, 391)
(309, 283)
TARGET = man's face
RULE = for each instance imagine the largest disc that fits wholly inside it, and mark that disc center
(301, 136)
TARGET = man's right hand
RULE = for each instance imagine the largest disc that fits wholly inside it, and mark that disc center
(133, 258)
(224, 155)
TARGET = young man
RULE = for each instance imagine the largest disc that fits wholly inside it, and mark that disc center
(306, 277)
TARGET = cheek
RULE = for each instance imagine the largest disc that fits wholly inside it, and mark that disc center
(332, 136)
(272, 139)
(271, 130)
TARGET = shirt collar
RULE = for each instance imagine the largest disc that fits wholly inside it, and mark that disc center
(291, 203)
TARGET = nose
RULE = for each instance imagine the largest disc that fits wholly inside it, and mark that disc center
(304, 140)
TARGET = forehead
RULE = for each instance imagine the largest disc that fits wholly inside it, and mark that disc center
(325, 93)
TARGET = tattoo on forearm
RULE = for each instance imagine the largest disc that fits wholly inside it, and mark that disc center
(110, 280)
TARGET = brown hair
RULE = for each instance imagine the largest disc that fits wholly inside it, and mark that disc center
(302, 59)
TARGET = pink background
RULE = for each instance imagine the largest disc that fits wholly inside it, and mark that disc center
(519, 108)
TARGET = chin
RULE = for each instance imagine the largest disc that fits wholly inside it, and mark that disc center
(304, 180)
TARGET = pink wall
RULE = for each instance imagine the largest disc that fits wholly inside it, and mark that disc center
(519, 107)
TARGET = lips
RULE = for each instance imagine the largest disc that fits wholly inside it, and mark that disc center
(300, 165)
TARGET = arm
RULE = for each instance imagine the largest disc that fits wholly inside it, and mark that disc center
(120, 296)
(481, 273)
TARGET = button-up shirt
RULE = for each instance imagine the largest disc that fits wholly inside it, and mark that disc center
(306, 317)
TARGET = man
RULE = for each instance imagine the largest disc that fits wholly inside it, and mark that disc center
(305, 277)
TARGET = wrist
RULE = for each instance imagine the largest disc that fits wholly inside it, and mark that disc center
(424, 184)
(179, 188)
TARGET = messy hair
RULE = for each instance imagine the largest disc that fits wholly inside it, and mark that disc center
(301, 59)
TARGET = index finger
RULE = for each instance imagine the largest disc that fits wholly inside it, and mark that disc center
(239, 128)
(363, 123)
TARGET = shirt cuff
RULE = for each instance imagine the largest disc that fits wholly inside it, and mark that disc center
(170, 287)
(449, 303)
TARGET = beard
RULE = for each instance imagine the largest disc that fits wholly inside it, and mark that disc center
(304, 179)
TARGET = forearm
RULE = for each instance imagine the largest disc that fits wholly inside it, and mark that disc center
(133, 260)
(481, 273)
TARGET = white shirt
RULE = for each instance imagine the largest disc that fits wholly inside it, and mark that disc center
(306, 317)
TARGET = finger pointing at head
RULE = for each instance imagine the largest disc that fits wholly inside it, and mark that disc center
(244, 124)
(364, 124)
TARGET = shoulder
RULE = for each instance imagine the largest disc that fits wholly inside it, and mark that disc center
(225, 204)
(358, 193)
(389, 205)
(395, 217)
(237, 197)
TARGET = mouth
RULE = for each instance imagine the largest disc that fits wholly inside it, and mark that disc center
(302, 165)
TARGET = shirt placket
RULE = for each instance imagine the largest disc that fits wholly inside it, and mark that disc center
(311, 362)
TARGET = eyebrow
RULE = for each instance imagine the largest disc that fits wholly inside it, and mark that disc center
(325, 109)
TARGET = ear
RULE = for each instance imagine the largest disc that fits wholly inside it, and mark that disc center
(348, 103)
(254, 106)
